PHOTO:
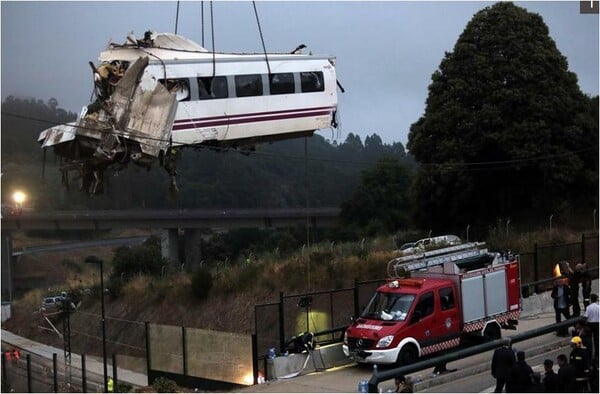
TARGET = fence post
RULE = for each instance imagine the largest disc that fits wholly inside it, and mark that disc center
(536, 268)
(184, 352)
(55, 372)
(148, 365)
(115, 377)
(583, 247)
(255, 359)
(83, 375)
(28, 360)
(4, 379)
(356, 300)
(281, 324)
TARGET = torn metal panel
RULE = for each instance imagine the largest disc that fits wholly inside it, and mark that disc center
(152, 113)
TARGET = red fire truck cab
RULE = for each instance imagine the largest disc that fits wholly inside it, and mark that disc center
(435, 309)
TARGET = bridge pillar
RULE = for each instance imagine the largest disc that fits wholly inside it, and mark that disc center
(169, 244)
(192, 248)
(7, 266)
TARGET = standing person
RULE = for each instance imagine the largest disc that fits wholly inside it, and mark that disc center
(521, 376)
(574, 287)
(579, 360)
(586, 284)
(562, 299)
(502, 362)
(550, 381)
(566, 375)
(591, 315)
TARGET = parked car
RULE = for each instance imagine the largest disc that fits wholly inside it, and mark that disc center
(53, 303)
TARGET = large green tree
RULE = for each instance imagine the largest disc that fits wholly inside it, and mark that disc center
(381, 204)
(506, 128)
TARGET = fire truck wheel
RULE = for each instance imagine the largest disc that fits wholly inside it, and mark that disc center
(408, 355)
(492, 332)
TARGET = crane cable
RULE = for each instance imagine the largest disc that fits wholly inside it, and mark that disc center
(202, 22)
(262, 38)
(177, 17)
(212, 35)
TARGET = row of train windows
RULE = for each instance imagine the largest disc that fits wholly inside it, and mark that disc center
(246, 85)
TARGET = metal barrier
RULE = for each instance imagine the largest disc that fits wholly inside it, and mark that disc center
(463, 353)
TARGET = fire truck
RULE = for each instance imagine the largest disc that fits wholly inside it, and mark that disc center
(433, 301)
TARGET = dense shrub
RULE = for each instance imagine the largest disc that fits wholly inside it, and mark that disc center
(164, 385)
(202, 283)
(145, 258)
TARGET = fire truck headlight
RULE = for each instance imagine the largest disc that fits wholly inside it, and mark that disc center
(345, 337)
(385, 341)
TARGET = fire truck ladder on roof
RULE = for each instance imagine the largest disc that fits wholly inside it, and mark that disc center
(400, 265)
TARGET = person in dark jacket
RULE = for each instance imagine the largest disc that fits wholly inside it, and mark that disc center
(579, 359)
(562, 299)
(550, 381)
(566, 375)
(502, 362)
(520, 379)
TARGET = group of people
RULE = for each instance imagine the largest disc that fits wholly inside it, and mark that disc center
(565, 293)
(579, 371)
(575, 373)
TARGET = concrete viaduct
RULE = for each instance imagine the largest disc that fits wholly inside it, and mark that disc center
(189, 224)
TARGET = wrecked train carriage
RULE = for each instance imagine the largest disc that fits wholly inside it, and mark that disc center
(155, 95)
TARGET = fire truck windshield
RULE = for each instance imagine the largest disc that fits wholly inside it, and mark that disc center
(389, 306)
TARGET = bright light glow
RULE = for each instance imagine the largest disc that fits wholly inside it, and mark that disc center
(556, 271)
(248, 379)
(19, 197)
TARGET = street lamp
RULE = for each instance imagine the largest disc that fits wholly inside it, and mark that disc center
(96, 260)
(19, 198)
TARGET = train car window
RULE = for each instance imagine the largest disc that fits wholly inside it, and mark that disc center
(248, 85)
(181, 88)
(312, 81)
(282, 83)
(212, 88)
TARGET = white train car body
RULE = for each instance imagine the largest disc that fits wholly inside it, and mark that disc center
(164, 92)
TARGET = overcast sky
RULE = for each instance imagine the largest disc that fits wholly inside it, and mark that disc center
(386, 51)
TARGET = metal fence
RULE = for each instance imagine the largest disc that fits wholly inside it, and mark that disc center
(204, 359)
(538, 264)
(32, 373)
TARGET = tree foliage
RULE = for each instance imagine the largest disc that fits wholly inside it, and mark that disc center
(141, 259)
(381, 203)
(506, 128)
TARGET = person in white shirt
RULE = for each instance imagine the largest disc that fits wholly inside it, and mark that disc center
(592, 318)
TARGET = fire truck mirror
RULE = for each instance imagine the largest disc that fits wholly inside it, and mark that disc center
(417, 316)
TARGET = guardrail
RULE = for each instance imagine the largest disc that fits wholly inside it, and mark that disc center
(471, 351)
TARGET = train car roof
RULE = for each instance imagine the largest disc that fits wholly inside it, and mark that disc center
(173, 47)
